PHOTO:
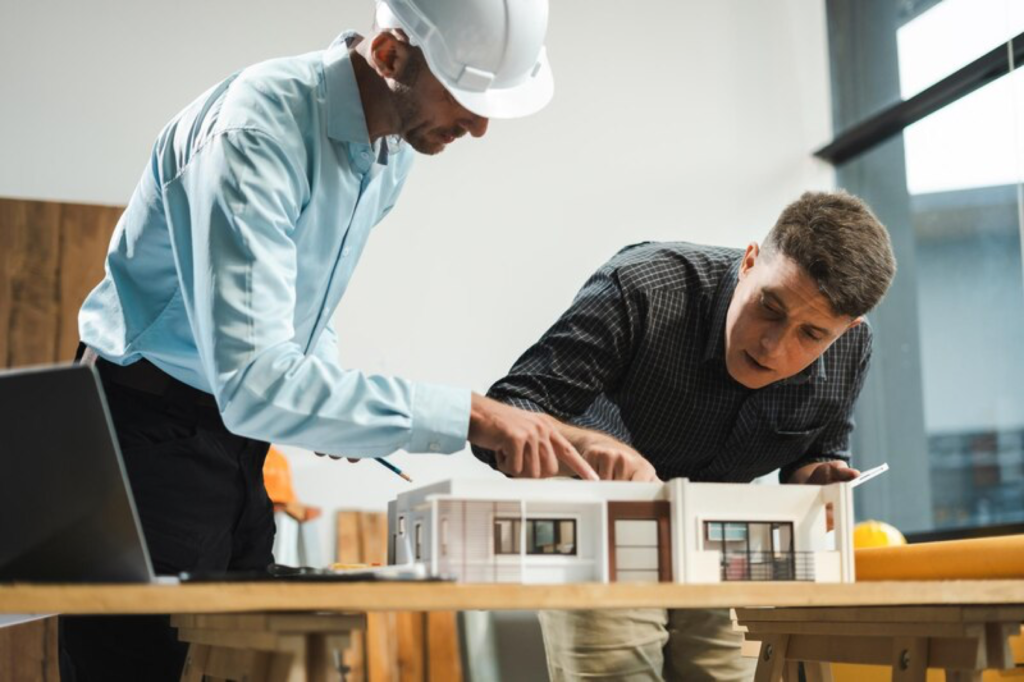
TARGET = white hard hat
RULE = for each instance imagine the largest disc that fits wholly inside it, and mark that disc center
(489, 54)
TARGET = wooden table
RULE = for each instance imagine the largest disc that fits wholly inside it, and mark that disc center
(907, 615)
(362, 597)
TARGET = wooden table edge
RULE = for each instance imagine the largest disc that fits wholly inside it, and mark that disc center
(371, 597)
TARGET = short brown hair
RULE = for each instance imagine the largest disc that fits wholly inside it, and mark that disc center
(840, 243)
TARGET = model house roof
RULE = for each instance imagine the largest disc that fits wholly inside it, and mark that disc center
(545, 490)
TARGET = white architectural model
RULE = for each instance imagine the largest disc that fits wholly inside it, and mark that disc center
(564, 531)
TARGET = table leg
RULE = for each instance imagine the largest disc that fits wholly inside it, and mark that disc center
(195, 663)
(963, 676)
(909, 659)
(816, 671)
(772, 661)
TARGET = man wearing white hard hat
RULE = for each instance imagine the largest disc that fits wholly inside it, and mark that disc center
(212, 327)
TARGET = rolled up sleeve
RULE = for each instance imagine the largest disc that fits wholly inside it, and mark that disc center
(582, 356)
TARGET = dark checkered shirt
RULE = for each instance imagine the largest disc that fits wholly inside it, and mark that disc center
(640, 355)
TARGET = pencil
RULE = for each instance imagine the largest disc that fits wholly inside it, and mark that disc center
(389, 465)
(380, 460)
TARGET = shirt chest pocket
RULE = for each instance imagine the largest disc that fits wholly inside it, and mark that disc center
(760, 446)
(793, 441)
(782, 446)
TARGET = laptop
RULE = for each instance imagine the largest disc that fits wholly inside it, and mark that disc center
(68, 514)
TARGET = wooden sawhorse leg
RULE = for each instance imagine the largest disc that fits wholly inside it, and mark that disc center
(774, 666)
(265, 647)
(962, 640)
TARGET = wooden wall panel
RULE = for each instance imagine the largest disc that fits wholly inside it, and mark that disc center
(442, 647)
(85, 235)
(28, 653)
(7, 252)
(381, 645)
(33, 231)
(350, 551)
(411, 646)
(51, 256)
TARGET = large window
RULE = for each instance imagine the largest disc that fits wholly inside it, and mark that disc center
(929, 122)
(543, 536)
(756, 550)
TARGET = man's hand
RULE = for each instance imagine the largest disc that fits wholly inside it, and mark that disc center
(823, 473)
(612, 459)
(525, 443)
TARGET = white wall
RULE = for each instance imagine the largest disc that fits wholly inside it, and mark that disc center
(672, 119)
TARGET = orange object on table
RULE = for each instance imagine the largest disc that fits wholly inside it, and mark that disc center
(277, 477)
(978, 559)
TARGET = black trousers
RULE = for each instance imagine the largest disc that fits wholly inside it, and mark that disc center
(200, 497)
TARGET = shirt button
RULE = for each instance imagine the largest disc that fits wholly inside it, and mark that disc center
(365, 155)
(435, 447)
(345, 251)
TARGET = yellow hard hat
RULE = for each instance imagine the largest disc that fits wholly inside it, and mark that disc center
(876, 534)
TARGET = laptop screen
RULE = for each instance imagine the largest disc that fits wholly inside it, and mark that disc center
(68, 510)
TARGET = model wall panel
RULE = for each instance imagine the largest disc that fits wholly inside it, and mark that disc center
(479, 563)
(828, 567)
(556, 573)
(705, 567)
(562, 489)
(799, 505)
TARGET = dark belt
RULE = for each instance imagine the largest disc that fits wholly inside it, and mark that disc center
(144, 376)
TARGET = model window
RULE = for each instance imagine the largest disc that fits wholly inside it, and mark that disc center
(782, 537)
(551, 536)
(733, 535)
(543, 536)
(419, 540)
(756, 551)
(444, 536)
(506, 536)
(401, 525)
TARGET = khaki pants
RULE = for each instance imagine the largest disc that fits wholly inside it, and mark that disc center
(644, 645)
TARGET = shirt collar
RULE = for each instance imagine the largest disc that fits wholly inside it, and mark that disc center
(714, 345)
(346, 120)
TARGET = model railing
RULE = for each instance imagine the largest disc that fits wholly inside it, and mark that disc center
(768, 566)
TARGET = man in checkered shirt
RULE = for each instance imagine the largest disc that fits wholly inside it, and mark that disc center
(714, 364)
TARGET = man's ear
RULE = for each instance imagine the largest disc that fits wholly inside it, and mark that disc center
(388, 55)
(855, 322)
(749, 258)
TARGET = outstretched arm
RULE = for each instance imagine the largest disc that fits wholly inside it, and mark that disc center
(612, 459)
(583, 355)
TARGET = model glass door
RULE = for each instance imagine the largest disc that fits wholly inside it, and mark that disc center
(639, 542)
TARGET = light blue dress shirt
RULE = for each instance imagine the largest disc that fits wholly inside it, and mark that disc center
(237, 246)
